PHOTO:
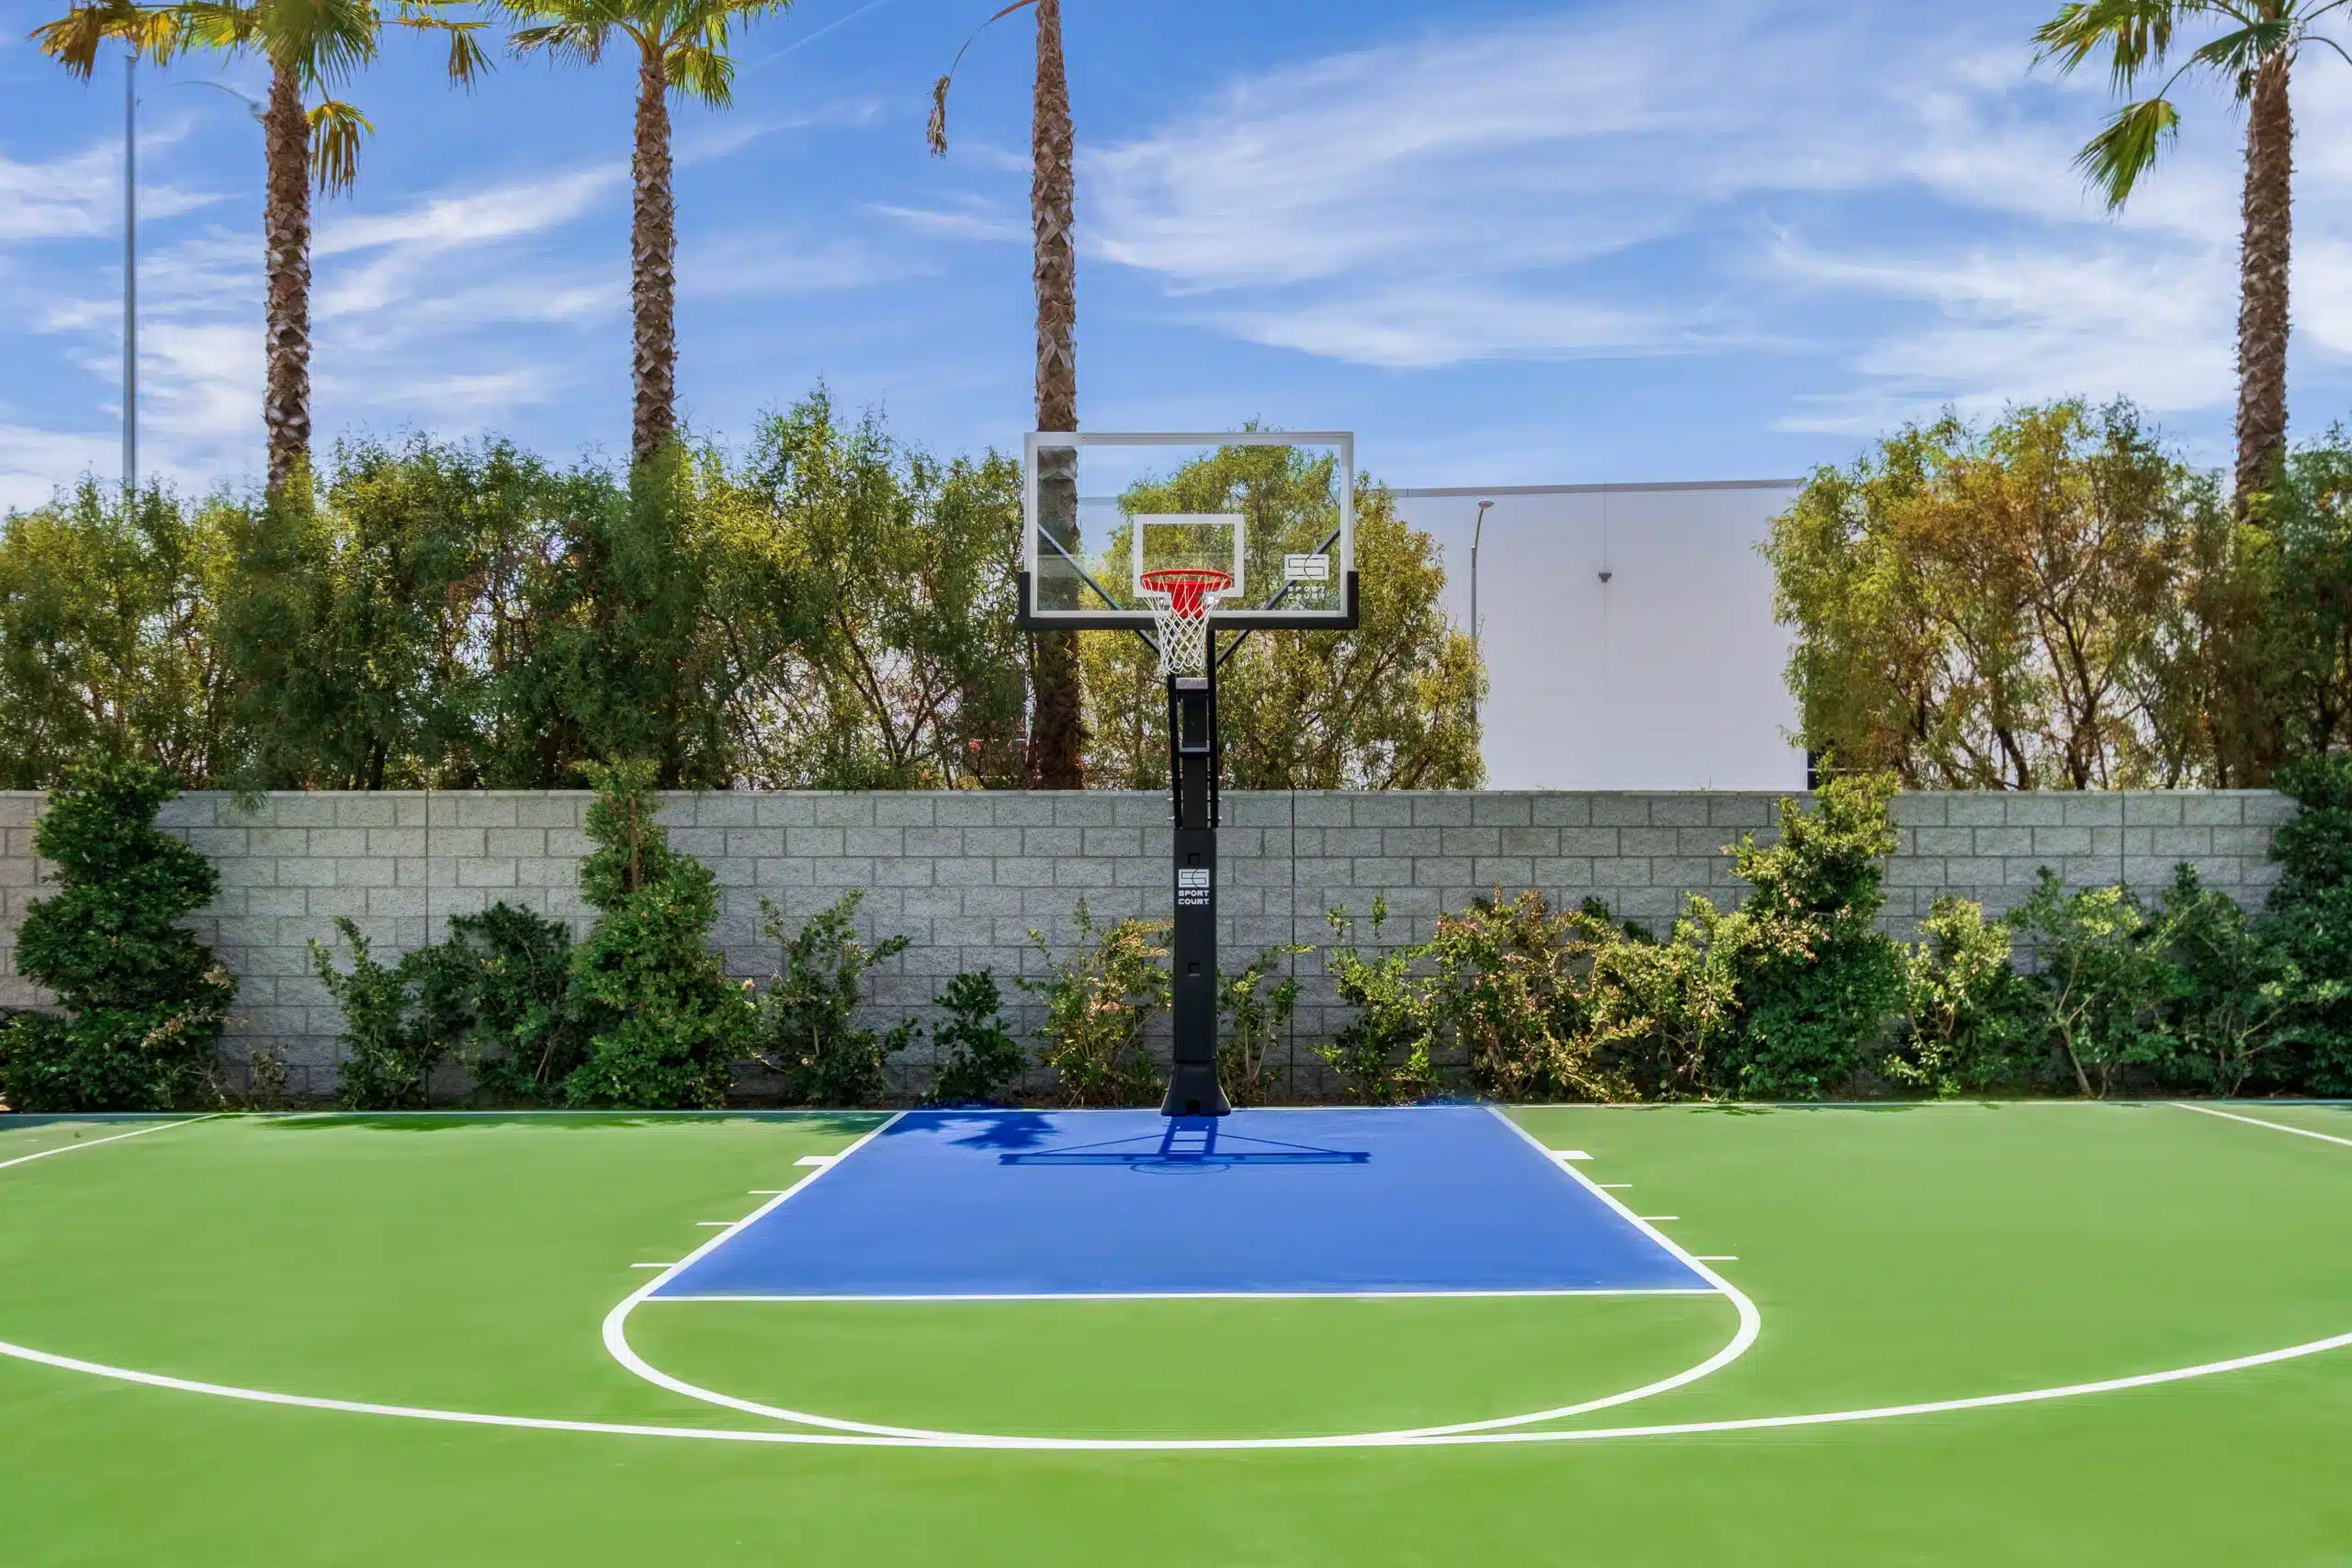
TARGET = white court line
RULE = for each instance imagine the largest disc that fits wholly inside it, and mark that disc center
(770, 1191)
(1563, 1153)
(1663, 1219)
(1751, 1325)
(714, 1224)
(1716, 1256)
(2258, 1121)
(653, 1266)
(110, 1138)
(1614, 1186)
(816, 1160)
(1151, 1444)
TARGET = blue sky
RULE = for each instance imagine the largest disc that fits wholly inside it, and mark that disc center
(1505, 243)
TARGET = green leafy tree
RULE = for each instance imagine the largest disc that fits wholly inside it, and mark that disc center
(979, 1057)
(808, 1033)
(107, 636)
(888, 578)
(2002, 609)
(2307, 924)
(1818, 981)
(401, 1021)
(313, 48)
(1509, 990)
(2254, 49)
(527, 1034)
(1392, 704)
(2099, 968)
(682, 48)
(2232, 997)
(144, 1002)
(1969, 1026)
(1664, 1012)
(665, 1024)
(1059, 743)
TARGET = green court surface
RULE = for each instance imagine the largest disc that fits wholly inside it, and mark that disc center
(410, 1273)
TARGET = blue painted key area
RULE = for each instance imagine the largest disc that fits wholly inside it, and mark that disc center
(1440, 1199)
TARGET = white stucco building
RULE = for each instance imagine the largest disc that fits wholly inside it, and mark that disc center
(1627, 630)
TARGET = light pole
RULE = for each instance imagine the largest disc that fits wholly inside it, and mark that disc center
(131, 276)
(1477, 528)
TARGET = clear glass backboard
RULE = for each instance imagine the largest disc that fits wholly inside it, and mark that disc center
(1110, 519)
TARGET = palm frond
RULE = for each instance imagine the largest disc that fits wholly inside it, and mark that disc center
(698, 69)
(2240, 52)
(336, 130)
(74, 39)
(2115, 158)
(568, 42)
(467, 61)
(2136, 35)
(935, 133)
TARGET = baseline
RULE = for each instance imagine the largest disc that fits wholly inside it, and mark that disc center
(2258, 1121)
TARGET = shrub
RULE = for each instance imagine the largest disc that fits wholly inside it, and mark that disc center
(807, 1031)
(1256, 1018)
(1663, 1013)
(2231, 996)
(1511, 991)
(399, 1023)
(1097, 1006)
(2099, 975)
(1817, 981)
(1968, 1022)
(144, 1002)
(527, 1034)
(1382, 1055)
(2307, 925)
(664, 1023)
(978, 1057)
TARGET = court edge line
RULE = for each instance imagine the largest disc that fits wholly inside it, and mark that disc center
(110, 1138)
(1750, 1326)
(2258, 1121)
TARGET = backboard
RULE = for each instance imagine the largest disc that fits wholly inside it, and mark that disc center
(1103, 511)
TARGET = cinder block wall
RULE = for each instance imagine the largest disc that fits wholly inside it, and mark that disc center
(967, 877)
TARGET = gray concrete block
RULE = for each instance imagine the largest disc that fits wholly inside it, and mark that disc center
(2034, 809)
(1920, 810)
(2152, 810)
(2003, 841)
(1620, 811)
(2222, 808)
(1502, 810)
(844, 810)
(1679, 810)
(1988, 810)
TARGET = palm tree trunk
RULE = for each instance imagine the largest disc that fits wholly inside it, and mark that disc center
(1058, 740)
(2262, 286)
(653, 253)
(285, 238)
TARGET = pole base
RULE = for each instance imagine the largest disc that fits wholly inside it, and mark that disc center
(1192, 1090)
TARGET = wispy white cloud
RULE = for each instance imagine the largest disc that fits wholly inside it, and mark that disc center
(34, 463)
(975, 218)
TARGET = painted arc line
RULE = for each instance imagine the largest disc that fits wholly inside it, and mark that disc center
(2258, 1121)
(110, 1138)
(1751, 1324)
(1467, 1439)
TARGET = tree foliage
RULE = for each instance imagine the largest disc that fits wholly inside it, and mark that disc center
(144, 1002)
(1390, 705)
(2053, 603)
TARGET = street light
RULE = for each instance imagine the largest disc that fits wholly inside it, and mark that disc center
(1477, 528)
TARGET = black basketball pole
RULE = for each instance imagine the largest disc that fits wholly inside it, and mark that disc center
(1192, 759)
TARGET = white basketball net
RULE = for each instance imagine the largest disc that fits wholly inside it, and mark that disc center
(1180, 613)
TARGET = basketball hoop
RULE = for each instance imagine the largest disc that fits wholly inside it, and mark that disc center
(1180, 597)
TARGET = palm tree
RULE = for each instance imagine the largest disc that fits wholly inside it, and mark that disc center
(2255, 51)
(680, 48)
(313, 46)
(1058, 737)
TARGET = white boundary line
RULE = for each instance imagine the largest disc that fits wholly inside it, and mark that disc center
(1454, 1439)
(1152, 1445)
(1751, 1325)
(2258, 1121)
(110, 1138)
